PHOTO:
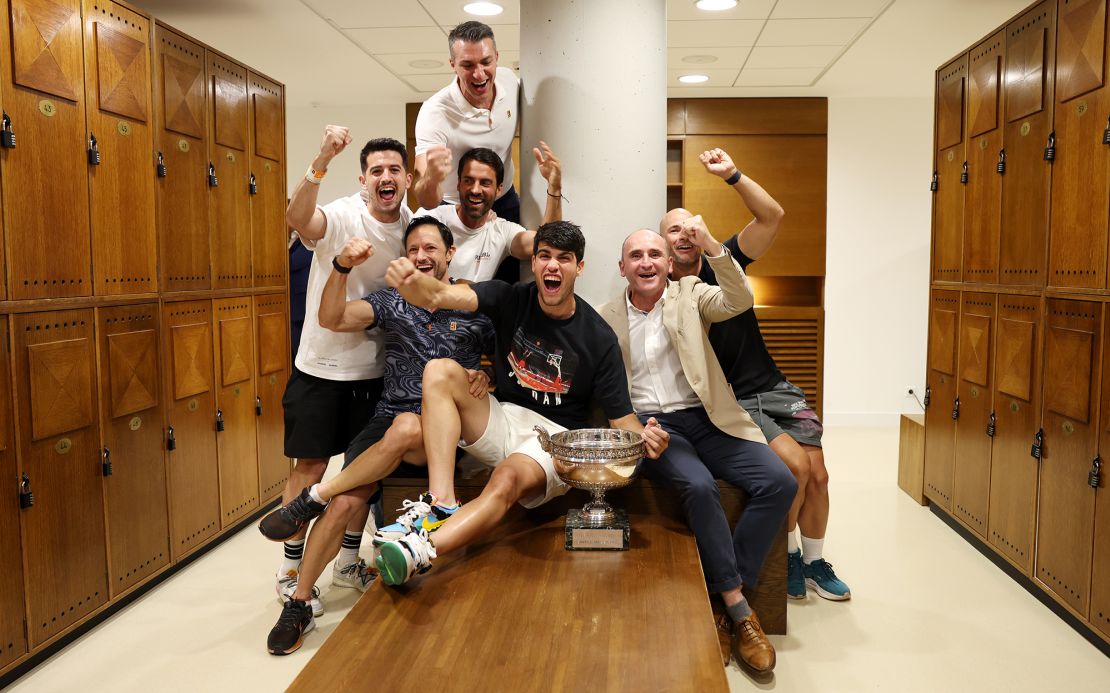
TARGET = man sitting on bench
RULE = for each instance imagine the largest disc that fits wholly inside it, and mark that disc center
(675, 378)
(412, 336)
(554, 355)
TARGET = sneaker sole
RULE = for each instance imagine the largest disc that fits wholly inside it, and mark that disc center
(297, 645)
(277, 539)
(797, 597)
(825, 594)
(384, 569)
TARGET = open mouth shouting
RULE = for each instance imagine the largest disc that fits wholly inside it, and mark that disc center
(552, 283)
(425, 266)
(387, 193)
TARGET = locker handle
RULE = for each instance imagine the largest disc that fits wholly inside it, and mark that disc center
(94, 151)
(963, 174)
(212, 180)
(1001, 161)
(1050, 148)
(7, 135)
(171, 442)
(26, 498)
(161, 166)
(219, 420)
(106, 461)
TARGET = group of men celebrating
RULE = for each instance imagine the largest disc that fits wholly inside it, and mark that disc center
(677, 357)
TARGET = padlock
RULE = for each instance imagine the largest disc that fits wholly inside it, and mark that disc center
(1001, 161)
(94, 151)
(219, 420)
(161, 165)
(933, 185)
(1038, 444)
(257, 406)
(106, 461)
(963, 174)
(171, 442)
(956, 409)
(928, 394)
(991, 426)
(253, 186)
(7, 135)
(1094, 479)
(26, 498)
(1050, 148)
(1106, 132)
(212, 181)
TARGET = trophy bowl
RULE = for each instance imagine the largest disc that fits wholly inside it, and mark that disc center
(595, 460)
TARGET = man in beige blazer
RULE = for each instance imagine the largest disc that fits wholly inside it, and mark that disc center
(674, 377)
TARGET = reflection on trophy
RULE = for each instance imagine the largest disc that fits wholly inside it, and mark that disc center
(596, 460)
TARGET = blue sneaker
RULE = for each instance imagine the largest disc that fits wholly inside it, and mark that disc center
(795, 580)
(422, 514)
(820, 576)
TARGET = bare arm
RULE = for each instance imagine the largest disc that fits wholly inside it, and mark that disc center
(431, 169)
(336, 312)
(756, 238)
(422, 290)
(655, 438)
(302, 213)
(551, 168)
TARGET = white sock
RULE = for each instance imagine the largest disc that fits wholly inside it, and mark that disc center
(348, 553)
(811, 549)
(791, 542)
(291, 561)
(314, 493)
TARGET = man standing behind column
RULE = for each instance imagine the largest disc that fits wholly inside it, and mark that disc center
(790, 425)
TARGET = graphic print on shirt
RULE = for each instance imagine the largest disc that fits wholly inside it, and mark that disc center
(547, 371)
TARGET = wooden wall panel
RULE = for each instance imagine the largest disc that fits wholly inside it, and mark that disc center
(1065, 520)
(951, 91)
(951, 159)
(269, 234)
(13, 637)
(983, 197)
(972, 456)
(117, 81)
(60, 451)
(131, 424)
(191, 413)
(233, 345)
(271, 318)
(1029, 86)
(795, 339)
(41, 88)
(797, 116)
(944, 313)
(229, 202)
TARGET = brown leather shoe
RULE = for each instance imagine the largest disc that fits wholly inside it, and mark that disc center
(751, 647)
(723, 625)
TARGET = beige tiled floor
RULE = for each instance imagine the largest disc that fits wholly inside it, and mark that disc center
(929, 613)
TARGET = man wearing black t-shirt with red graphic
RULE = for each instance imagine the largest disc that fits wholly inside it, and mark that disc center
(791, 427)
(554, 355)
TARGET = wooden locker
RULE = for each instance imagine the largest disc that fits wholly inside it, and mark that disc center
(229, 202)
(131, 420)
(1017, 405)
(1080, 195)
(235, 407)
(940, 384)
(181, 140)
(983, 197)
(972, 467)
(1065, 517)
(1100, 562)
(269, 234)
(46, 189)
(1028, 86)
(59, 448)
(13, 637)
(191, 417)
(271, 316)
(121, 187)
(951, 157)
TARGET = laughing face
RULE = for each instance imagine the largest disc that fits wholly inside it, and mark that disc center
(686, 255)
(475, 64)
(477, 190)
(555, 272)
(425, 248)
(645, 263)
(386, 180)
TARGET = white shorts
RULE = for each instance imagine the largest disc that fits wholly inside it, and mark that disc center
(510, 431)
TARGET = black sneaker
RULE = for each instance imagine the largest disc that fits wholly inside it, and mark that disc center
(295, 620)
(286, 521)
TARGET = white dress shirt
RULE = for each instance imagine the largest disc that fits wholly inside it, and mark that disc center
(658, 383)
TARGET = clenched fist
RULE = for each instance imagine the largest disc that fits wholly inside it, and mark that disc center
(439, 163)
(336, 138)
(356, 252)
(718, 162)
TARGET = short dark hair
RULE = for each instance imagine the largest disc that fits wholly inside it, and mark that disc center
(561, 235)
(469, 32)
(383, 144)
(444, 232)
(487, 157)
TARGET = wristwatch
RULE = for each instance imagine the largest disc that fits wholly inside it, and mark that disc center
(338, 267)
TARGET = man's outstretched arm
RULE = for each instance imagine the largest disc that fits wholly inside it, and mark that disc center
(756, 238)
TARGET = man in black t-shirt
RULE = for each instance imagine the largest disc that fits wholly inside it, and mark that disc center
(554, 355)
(791, 427)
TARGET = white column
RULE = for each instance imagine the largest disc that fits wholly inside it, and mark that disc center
(594, 76)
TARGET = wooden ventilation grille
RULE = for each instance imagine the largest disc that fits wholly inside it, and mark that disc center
(793, 338)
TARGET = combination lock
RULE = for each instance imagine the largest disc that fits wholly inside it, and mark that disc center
(1001, 161)
(258, 406)
(212, 180)
(991, 425)
(94, 151)
(219, 420)
(1038, 445)
(253, 186)
(1106, 133)
(934, 184)
(963, 174)
(26, 498)
(161, 165)
(106, 461)
(171, 442)
(7, 135)
(1094, 479)
(956, 409)
(1050, 148)
(928, 396)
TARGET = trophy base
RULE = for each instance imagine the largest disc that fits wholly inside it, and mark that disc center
(584, 535)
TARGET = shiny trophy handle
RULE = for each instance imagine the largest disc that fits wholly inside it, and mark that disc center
(545, 439)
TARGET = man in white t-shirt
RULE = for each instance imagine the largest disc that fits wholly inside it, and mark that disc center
(482, 238)
(337, 377)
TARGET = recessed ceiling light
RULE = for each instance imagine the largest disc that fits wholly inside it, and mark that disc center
(715, 5)
(700, 59)
(425, 64)
(693, 79)
(487, 9)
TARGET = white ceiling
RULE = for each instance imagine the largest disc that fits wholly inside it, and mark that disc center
(379, 51)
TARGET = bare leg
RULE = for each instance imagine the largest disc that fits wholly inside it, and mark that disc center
(814, 516)
(403, 439)
(796, 459)
(306, 472)
(456, 415)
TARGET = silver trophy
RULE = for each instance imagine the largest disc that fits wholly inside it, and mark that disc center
(595, 460)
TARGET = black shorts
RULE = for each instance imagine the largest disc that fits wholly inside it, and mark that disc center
(323, 416)
(366, 438)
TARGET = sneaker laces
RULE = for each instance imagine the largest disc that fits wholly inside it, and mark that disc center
(291, 613)
(823, 569)
(413, 510)
(291, 587)
(418, 545)
(353, 569)
(299, 511)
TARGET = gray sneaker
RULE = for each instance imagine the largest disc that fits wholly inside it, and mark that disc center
(287, 585)
(355, 575)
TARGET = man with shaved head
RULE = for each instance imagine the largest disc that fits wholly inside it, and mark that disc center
(674, 378)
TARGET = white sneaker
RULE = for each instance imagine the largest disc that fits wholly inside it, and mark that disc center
(287, 585)
(410, 555)
(355, 575)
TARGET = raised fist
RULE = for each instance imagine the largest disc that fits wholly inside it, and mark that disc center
(336, 138)
(439, 163)
(400, 272)
(357, 251)
(718, 162)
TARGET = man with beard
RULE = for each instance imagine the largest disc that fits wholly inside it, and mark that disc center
(674, 378)
(412, 336)
(554, 355)
(337, 377)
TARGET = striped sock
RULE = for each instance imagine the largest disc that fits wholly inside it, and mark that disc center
(294, 551)
(348, 554)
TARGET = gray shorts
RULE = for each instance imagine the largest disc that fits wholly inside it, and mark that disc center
(784, 410)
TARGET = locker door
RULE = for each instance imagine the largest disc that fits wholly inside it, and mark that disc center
(59, 447)
(948, 203)
(1100, 562)
(43, 90)
(983, 201)
(117, 84)
(944, 318)
(181, 137)
(1017, 404)
(1029, 80)
(972, 469)
(229, 204)
(235, 402)
(269, 233)
(272, 334)
(191, 415)
(1065, 516)
(13, 638)
(131, 431)
(1077, 236)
